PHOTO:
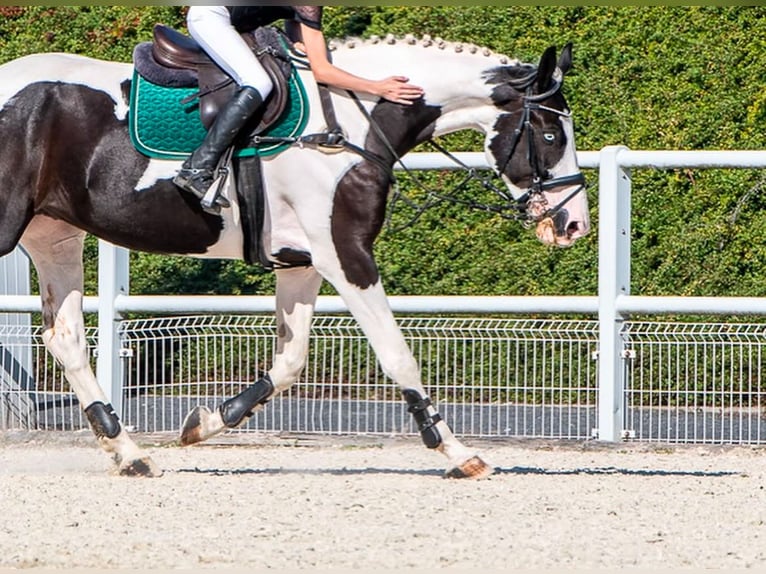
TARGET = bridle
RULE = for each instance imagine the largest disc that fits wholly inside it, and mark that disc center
(534, 194)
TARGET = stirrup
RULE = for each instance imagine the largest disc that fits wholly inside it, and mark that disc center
(213, 201)
(210, 199)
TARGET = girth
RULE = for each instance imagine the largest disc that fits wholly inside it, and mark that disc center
(174, 50)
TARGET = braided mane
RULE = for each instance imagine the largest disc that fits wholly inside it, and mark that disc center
(426, 41)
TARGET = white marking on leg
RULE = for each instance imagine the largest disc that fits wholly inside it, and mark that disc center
(66, 341)
(297, 290)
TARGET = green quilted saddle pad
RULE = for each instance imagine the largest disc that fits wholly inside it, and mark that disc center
(162, 127)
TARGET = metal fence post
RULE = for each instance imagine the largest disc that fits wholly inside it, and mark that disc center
(16, 358)
(113, 280)
(613, 281)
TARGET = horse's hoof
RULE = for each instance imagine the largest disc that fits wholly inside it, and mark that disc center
(474, 468)
(199, 425)
(142, 467)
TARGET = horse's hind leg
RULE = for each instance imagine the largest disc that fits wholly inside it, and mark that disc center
(56, 251)
(296, 295)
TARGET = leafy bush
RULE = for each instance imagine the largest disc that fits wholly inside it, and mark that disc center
(644, 77)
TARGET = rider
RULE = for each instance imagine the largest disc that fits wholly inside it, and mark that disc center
(216, 29)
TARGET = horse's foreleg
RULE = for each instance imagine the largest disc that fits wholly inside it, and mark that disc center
(56, 251)
(370, 308)
(296, 295)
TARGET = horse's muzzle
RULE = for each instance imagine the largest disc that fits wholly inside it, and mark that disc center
(559, 230)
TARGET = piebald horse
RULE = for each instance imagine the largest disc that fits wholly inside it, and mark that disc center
(69, 167)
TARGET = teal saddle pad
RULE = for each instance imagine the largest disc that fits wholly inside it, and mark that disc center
(162, 127)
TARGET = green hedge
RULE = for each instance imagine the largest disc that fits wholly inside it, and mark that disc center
(645, 77)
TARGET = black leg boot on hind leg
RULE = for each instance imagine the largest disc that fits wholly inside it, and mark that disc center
(199, 171)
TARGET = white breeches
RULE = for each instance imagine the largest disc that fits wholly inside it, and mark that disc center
(211, 27)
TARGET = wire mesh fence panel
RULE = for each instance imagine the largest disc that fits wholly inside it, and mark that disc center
(488, 377)
(684, 382)
(34, 395)
(695, 382)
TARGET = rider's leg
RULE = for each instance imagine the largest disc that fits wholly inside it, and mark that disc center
(211, 27)
(198, 171)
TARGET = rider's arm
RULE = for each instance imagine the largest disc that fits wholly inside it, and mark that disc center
(394, 88)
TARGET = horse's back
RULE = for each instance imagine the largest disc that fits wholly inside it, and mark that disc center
(58, 67)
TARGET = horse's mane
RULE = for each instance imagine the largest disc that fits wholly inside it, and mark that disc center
(425, 41)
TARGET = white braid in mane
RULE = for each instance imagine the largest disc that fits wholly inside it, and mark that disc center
(426, 42)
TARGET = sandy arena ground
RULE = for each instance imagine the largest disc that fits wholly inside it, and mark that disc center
(343, 503)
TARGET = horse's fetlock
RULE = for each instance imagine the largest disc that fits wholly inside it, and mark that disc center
(236, 409)
(419, 407)
(103, 420)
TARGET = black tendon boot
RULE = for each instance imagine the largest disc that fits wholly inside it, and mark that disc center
(199, 171)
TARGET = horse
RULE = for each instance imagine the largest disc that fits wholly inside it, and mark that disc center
(69, 167)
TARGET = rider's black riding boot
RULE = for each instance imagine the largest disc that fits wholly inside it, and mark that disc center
(198, 171)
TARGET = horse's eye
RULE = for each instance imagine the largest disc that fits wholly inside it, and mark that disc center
(549, 137)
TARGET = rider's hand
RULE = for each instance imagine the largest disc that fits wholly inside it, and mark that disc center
(397, 89)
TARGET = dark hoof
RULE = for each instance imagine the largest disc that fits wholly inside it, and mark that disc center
(191, 431)
(141, 467)
(199, 425)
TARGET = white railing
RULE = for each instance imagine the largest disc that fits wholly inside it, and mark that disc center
(612, 305)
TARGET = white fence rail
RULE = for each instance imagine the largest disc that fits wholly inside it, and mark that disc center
(612, 305)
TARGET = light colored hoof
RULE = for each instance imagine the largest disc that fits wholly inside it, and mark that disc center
(474, 468)
(141, 467)
(199, 425)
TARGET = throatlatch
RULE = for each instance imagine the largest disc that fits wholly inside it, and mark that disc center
(426, 422)
(103, 420)
(236, 409)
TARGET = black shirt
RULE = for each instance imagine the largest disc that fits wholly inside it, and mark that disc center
(248, 18)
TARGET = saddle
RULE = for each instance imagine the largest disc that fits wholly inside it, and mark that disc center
(176, 60)
(173, 76)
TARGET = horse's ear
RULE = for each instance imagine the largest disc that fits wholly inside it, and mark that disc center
(546, 68)
(565, 60)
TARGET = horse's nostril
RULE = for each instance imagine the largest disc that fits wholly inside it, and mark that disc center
(572, 228)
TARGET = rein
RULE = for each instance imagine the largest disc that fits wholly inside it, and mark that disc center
(517, 209)
(510, 208)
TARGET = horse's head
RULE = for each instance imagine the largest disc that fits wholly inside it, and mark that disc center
(531, 145)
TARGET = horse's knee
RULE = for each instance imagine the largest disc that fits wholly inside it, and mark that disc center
(287, 369)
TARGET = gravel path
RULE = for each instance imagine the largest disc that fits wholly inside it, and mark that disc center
(337, 502)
